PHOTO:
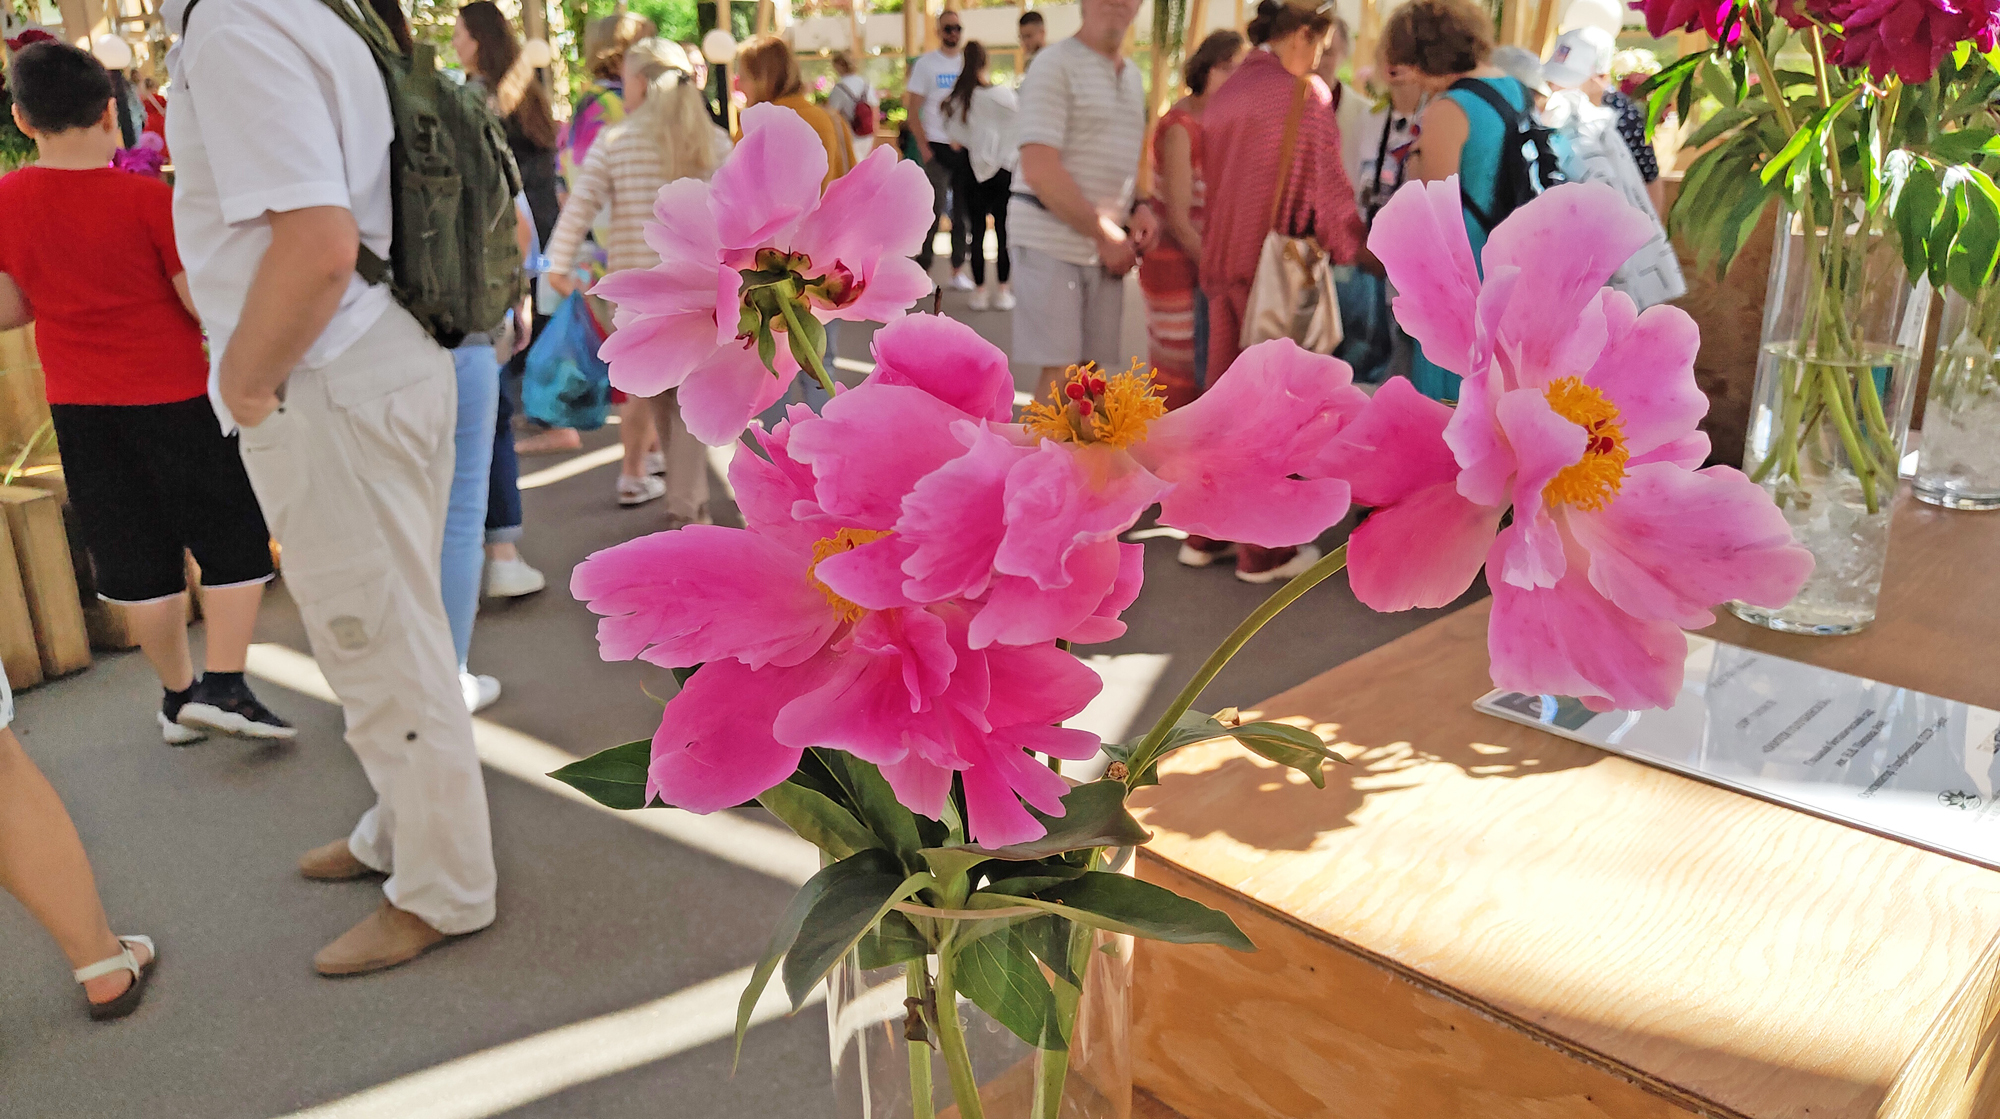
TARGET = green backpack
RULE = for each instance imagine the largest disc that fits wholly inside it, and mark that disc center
(453, 261)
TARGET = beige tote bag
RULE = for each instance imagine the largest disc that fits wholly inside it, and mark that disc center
(1291, 295)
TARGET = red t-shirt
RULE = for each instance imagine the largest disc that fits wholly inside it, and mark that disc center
(93, 252)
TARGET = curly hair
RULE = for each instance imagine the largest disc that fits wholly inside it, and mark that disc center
(1438, 37)
(1218, 48)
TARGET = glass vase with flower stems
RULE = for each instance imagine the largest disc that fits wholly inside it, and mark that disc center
(1958, 463)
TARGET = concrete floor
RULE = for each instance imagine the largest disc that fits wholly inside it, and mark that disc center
(196, 847)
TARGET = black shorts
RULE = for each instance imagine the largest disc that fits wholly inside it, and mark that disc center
(148, 480)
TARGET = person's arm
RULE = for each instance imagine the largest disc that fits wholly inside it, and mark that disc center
(1177, 189)
(588, 195)
(1440, 142)
(913, 109)
(187, 297)
(293, 295)
(1337, 221)
(14, 309)
(1042, 166)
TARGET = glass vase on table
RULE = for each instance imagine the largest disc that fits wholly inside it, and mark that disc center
(1843, 325)
(1958, 463)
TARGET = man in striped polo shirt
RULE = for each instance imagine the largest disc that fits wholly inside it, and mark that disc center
(1082, 126)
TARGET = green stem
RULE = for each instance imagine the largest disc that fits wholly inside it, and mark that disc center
(1836, 408)
(921, 1106)
(810, 359)
(1773, 91)
(1819, 68)
(951, 1035)
(1148, 751)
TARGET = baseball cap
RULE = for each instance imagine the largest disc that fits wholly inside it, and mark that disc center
(1522, 65)
(1579, 55)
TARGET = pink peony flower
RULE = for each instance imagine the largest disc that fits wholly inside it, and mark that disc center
(1024, 518)
(788, 664)
(761, 233)
(1577, 412)
(1907, 38)
(1716, 17)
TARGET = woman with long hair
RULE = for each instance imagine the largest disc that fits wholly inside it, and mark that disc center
(666, 134)
(1243, 130)
(979, 117)
(770, 73)
(1169, 275)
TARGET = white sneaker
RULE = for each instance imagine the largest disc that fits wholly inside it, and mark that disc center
(655, 463)
(638, 491)
(512, 578)
(979, 301)
(961, 280)
(480, 691)
(175, 734)
(1005, 300)
(1191, 556)
(1308, 555)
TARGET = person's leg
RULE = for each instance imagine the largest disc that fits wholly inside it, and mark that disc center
(478, 378)
(976, 236)
(940, 177)
(1103, 320)
(687, 461)
(503, 488)
(961, 200)
(1225, 325)
(160, 627)
(43, 865)
(228, 621)
(354, 474)
(999, 189)
(1049, 316)
(1200, 341)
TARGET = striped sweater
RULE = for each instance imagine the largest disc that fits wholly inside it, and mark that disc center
(622, 172)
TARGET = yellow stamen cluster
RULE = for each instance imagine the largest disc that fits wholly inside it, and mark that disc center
(846, 540)
(1088, 407)
(1593, 481)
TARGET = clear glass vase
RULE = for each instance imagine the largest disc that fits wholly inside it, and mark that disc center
(896, 1057)
(1843, 326)
(1958, 464)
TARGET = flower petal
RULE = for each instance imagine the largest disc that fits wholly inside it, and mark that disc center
(714, 748)
(1544, 443)
(1103, 623)
(871, 445)
(722, 394)
(1570, 640)
(703, 593)
(1018, 612)
(1570, 239)
(1647, 370)
(1420, 239)
(879, 694)
(1675, 543)
(1062, 497)
(1422, 552)
(683, 228)
(890, 285)
(879, 210)
(955, 519)
(948, 360)
(870, 576)
(650, 354)
(770, 182)
(1037, 685)
(1395, 448)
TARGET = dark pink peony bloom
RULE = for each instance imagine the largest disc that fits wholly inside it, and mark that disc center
(1907, 38)
(1717, 17)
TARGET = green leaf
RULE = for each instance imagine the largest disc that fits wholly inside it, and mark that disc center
(950, 863)
(681, 675)
(1094, 815)
(1973, 254)
(1945, 230)
(1102, 900)
(855, 871)
(817, 819)
(1916, 206)
(1192, 727)
(874, 803)
(894, 941)
(840, 916)
(1289, 746)
(1733, 117)
(999, 974)
(1048, 936)
(614, 778)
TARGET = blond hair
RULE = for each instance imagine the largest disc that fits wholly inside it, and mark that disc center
(672, 114)
(767, 61)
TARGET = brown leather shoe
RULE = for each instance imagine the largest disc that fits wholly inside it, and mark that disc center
(385, 938)
(334, 862)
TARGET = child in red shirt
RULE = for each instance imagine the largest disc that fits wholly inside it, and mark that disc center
(88, 255)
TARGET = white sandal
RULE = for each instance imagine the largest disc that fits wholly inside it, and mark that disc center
(127, 1002)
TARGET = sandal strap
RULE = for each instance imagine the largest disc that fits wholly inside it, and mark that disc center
(124, 961)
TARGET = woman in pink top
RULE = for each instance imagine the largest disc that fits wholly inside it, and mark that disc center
(1242, 134)
(1168, 273)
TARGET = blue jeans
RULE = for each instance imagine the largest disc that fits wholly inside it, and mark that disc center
(465, 515)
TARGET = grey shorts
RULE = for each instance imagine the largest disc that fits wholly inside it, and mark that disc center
(1067, 313)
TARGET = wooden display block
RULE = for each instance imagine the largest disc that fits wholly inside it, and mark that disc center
(1478, 919)
(22, 661)
(41, 552)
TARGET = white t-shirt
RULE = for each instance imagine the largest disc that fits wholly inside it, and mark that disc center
(932, 76)
(278, 106)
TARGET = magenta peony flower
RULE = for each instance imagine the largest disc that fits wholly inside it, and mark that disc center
(1024, 518)
(728, 247)
(787, 664)
(1578, 413)
(1907, 38)
(1717, 17)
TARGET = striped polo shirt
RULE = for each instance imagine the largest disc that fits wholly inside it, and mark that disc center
(1092, 110)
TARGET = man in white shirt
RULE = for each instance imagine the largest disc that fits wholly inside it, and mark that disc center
(1082, 126)
(281, 129)
(1031, 31)
(931, 79)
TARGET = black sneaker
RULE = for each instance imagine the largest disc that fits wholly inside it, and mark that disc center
(222, 702)
(169, 714)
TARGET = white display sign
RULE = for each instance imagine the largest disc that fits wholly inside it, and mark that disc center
(1901, 763)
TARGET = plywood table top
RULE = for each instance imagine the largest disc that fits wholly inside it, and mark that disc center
(1721, 950)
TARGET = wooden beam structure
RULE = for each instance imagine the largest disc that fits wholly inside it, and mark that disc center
(856, 18)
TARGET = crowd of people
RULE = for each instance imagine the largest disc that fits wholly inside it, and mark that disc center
(382, 453)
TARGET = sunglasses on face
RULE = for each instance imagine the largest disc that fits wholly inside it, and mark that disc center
(950, 29)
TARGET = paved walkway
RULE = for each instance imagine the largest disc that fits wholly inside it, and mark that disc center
(607, 987)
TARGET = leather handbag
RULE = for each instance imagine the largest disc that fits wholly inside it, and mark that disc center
(1292, 293)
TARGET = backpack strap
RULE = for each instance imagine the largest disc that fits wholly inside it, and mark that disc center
(1286, 147)
(1510, 123)
(383, 46)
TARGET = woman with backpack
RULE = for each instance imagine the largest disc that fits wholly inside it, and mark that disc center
(1462, 131)
(853, 100)
(1246, 157)
(666, 135)
(979, 117)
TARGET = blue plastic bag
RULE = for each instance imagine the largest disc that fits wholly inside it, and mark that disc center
(566, 384)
